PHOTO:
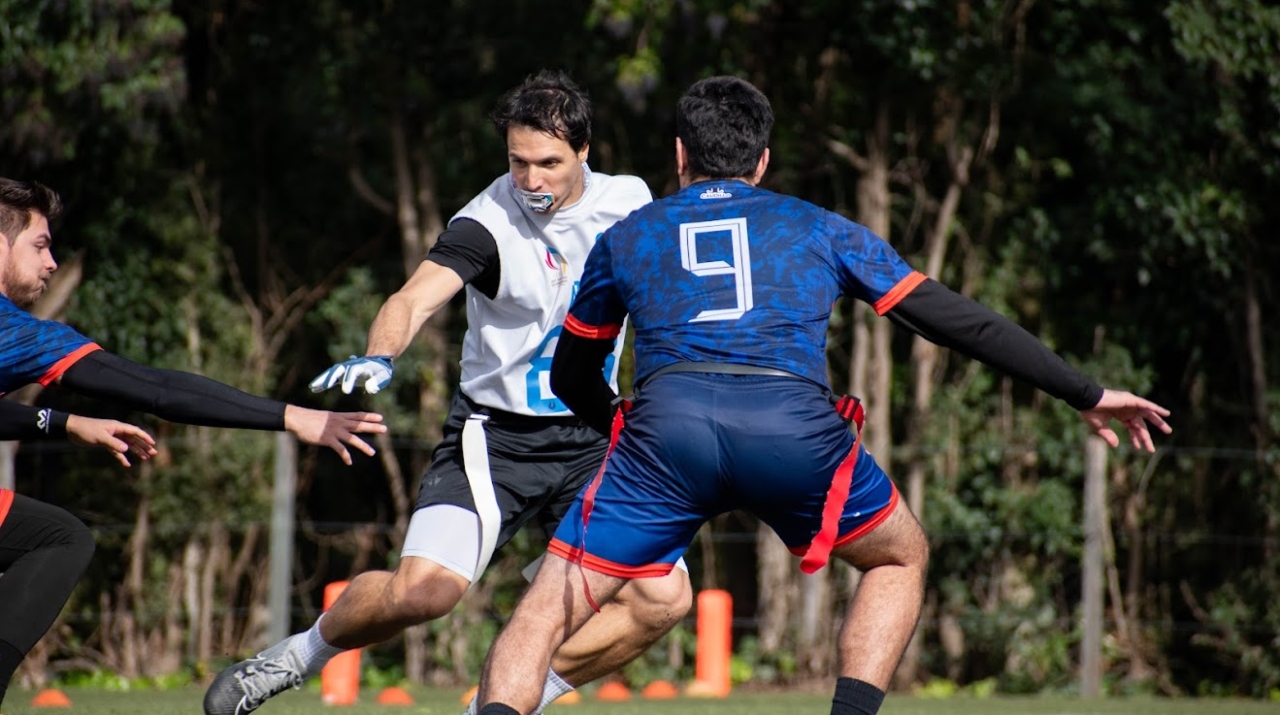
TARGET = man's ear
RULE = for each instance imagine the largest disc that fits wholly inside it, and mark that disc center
(760, 167)
(582, 154)
(682, 163)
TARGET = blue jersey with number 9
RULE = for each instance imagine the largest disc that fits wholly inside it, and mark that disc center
(726, 272)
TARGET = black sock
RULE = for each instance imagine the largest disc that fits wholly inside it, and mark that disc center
(497, 709)
(855, 697)
(10, 659)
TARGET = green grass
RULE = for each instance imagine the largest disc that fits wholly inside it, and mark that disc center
(447, 702)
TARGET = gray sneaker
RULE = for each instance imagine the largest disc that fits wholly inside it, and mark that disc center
(245, 686)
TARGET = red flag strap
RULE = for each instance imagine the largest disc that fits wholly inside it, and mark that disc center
(589, 499)
(819, 551)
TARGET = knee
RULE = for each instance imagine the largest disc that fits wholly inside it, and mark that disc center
(78, 543)
(659, 603)
(918, 549)
(425, 594)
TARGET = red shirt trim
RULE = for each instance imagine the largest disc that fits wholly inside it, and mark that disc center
(62, 365)
(582, 330)
(898, 292)
(6, 501)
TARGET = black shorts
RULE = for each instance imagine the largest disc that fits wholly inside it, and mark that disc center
(538, 465)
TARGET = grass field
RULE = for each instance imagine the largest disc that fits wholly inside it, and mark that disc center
(447, 702)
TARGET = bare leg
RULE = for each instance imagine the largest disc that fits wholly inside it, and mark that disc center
(374, 607)
(380, 604)
(551, 611)
(884, 611)
(642, 612)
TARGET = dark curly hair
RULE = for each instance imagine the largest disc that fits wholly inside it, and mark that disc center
(549, 102)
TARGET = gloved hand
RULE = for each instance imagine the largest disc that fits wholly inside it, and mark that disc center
(372, 372)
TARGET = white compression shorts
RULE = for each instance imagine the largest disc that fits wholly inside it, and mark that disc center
(450, 536)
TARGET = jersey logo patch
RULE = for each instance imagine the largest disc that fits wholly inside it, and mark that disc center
(716, 193)
(556, 262)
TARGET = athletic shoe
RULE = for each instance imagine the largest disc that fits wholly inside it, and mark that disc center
(245, 686)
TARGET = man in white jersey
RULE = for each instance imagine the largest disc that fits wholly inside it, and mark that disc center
(511, 451)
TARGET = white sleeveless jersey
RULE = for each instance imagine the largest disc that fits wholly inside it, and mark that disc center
(507, 350)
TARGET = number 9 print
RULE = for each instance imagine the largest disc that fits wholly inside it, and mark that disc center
(741, 268)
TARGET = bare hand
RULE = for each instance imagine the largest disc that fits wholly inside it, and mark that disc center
(119, 438)
(333, 429)
(1132, 411)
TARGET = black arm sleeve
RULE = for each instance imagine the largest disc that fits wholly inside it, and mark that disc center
(19, 421)
(172, 395)
(469, 250)
(951, 320)
(577, 378)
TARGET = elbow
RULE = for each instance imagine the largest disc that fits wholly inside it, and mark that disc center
(562, 382)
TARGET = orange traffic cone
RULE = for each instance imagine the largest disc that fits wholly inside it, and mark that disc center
(394, 696)
(50, 698)
(659, 690)
(613, 692)
(340, 677)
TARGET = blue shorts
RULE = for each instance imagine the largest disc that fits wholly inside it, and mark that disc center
(698, 445)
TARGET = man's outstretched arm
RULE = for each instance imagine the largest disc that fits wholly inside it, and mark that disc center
(188, 398)
(951, 320)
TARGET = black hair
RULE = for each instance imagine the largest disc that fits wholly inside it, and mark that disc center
(549, 102)
(19, 199)
(724, 124)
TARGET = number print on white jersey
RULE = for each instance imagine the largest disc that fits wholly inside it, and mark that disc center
(741, 268)
(538, 394)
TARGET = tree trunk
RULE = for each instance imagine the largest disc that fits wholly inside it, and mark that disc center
(775, 568)
(1256, 342)
(132, 599)
(817, 636)
(873, 212)
(199, 621)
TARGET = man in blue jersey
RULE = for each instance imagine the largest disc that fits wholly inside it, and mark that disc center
(43, 549)
(730, 288)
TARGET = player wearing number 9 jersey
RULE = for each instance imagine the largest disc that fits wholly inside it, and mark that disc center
(724, 272)
(729, 288)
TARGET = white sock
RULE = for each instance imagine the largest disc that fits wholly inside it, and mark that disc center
(551, 691)
(313, 649)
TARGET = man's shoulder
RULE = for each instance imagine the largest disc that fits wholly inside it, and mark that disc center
(11, 314)
(787, 202)
(493, 202)
(495, 191)
(793, 207)
(624, 188)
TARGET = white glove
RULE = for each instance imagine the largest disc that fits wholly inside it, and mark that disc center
(371, 372)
